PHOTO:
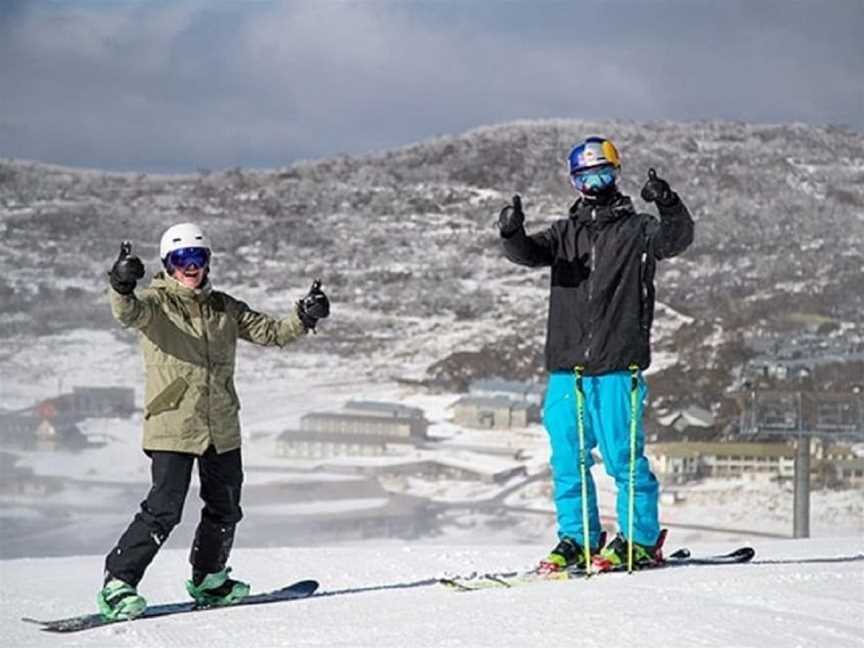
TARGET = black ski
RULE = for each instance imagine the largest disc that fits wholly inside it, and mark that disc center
(298, 590)
(680, 558)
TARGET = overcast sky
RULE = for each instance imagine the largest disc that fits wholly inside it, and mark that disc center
(175, 85)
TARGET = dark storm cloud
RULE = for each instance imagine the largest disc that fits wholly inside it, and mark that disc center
(183, 85)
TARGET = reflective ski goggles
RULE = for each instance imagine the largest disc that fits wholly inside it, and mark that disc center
(594, 179)
(187, 257)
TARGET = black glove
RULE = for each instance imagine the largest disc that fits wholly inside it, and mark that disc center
(658, 190)
(313, 307)
(126, 271)
(511, 218)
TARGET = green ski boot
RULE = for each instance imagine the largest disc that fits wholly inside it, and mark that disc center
(216, 589)
(614, 556)
(119, 600)
(568, 554)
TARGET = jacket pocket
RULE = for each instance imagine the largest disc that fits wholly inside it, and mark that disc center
(168, 399)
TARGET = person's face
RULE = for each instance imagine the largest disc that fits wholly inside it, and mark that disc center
(191, 277)
(189, 266)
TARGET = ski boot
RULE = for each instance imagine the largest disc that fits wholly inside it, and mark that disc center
(568, 554)
(119, 600)
(216, 589)
(614, 556)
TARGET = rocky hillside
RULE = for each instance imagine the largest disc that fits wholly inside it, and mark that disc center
(406, 246)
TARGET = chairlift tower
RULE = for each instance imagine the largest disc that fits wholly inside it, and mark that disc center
(802, 415)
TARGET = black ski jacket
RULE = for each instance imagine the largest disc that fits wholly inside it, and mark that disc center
(603, 258)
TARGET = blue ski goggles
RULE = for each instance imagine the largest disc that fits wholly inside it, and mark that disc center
(595, 179)
(187, 257)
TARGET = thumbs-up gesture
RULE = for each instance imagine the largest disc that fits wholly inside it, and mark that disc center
(657, 190)
(126, 271)
(511, 218)
(313, 307)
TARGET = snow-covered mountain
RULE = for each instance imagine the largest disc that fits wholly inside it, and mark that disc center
(404, 242)
(793, 604)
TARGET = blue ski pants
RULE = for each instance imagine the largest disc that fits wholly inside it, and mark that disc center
(607, 412)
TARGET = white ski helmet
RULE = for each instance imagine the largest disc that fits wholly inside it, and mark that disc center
(184, 244)
(182, 235)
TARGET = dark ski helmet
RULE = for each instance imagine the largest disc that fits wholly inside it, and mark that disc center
(593, 165)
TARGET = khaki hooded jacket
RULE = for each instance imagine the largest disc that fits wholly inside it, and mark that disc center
(189, 341)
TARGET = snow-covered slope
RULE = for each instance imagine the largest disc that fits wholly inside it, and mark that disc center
(779, 605)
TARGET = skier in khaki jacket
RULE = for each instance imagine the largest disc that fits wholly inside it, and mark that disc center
(189, 336)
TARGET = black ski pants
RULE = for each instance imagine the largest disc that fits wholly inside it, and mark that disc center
(221, 477)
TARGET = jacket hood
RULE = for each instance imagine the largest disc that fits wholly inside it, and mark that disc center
(162, 281)
(618, 208)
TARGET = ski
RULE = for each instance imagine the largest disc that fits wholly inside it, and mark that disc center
(298, 590)
(681, 558)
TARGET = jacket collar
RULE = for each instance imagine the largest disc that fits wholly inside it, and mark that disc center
(163, 281)
(618, 208)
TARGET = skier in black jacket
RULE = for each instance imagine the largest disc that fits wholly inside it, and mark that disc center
(601, 308)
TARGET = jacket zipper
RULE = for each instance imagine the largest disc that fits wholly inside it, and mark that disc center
(207, 373)
(593, 239)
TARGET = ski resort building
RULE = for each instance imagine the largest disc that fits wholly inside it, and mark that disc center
(372, 424)
(91, 402)
(496, 412)
(52, 423)
(847, 472)
(676, 463)
(361, 428)
(28, 431)
(379, 408)
(22, 481)
(522, 393)
(310, 444)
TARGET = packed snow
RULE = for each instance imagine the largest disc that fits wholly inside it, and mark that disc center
(791, 604)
